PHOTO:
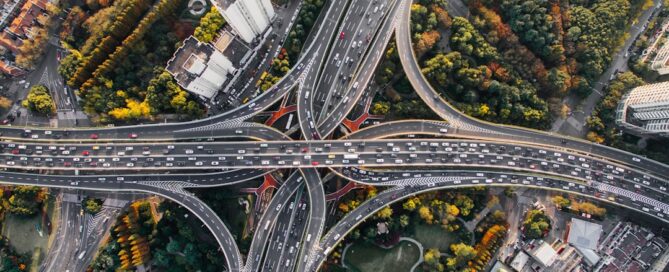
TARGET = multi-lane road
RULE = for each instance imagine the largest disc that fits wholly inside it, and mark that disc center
(331, 76)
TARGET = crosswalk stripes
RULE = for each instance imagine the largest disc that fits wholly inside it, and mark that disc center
(423, 181)
(92, 221)
(174, 186)
(632, 195)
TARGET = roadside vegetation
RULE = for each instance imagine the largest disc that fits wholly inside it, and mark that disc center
(92, 205)
(536, 224)
(25, 202)
(293, 46)
(32, 49)
(514, 61)
(602, 127)
(117, 54)
(39, 100)
(433, 219)
(173, 243)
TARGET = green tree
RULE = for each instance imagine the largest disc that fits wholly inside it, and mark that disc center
(404, 220)
(91, 205)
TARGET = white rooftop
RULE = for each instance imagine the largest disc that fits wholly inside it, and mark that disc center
(520, 261)
(544, 254)
(584, 234)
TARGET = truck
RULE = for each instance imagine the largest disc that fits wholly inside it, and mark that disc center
(350, 156)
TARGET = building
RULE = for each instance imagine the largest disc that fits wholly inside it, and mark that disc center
(644, 111)
(543, 254)
(203, 68)
(248, 18)
(17, 21)
(584, 234)
(8, 9)
(520, 261)
(199, 68)
(500, 267)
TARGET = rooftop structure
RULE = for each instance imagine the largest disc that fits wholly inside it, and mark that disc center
(8, 9)
(629, 247)
(645, 110)
(200, 68)
(22, 20)
(590, 257)
(500, 267)
(584, 234)
(249, 18)
(544, 254)
(21, 25)
(520, 261)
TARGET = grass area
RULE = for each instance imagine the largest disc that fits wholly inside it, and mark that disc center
(365, 257)
(22, 233)
(433, 236)
(235, 216)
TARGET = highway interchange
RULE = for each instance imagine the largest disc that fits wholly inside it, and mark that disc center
(329, 78)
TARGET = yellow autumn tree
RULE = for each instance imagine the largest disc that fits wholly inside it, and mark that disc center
(133, 110)
(426, 214)
(385, 213)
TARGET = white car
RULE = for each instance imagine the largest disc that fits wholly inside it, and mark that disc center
(636, 159)
(214, 163)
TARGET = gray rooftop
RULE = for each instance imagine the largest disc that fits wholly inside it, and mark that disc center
(584, 234)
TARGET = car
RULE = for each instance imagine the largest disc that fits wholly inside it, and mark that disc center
(314, 163)
(35, 136)
(85, 153)
(636, 159)
(342, 35)
(133, 135)
(94, 136)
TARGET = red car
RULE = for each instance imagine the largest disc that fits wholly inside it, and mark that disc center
(132, 135)
(15, 151)
(85, 153)
(314, 163)
(305, 149)
(341, 35)
(94, 136)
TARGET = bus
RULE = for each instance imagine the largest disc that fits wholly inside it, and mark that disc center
(262, 78)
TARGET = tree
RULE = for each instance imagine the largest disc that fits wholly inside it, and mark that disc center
(464, 203)
(92, 205)
(404, 220)
(426, 42)
(536, 224)
(32, 49)
(385, 213)
(463, 253)
(587, 207)
(380, 108)
(426, 214)
(209, 26)
(411, 204)
(560, 201)
(558, 81)
(431, 259)
(39, 100)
